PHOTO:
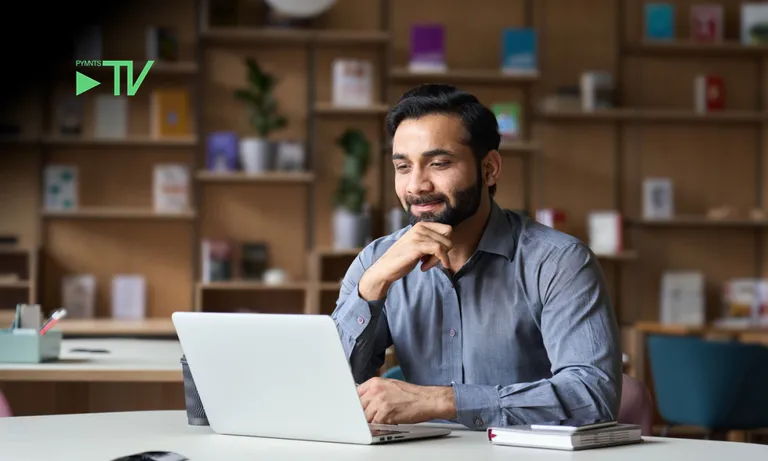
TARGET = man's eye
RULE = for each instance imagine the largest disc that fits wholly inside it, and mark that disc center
(401, 167)
(439, 164)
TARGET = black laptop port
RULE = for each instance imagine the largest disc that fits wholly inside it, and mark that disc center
(389, 438)
(399, 436)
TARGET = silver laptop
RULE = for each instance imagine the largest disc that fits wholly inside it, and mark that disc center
(280, 376)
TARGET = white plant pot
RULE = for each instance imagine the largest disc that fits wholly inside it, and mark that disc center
(255, 155)
(346, 229)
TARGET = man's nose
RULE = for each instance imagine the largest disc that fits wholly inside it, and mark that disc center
(418, 182)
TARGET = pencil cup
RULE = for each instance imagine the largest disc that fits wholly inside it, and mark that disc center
(195, 411)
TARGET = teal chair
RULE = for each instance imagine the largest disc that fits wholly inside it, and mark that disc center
(716, 385)
(394, 373)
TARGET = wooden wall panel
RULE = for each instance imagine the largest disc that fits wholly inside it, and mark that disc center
(19, 193)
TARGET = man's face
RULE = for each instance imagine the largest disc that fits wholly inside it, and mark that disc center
(436, 175)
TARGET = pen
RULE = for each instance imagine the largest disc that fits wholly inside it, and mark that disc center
(52, 320)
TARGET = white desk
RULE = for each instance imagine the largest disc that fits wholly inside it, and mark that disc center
(106, 436)
(136, 374)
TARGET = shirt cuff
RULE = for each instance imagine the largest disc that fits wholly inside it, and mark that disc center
(359, 313)
(477, 406)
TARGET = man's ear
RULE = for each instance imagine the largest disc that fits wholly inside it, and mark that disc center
(491, 167)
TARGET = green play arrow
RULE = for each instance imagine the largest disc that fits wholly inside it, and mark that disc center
(84, 83)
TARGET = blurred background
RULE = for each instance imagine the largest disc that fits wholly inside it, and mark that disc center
(245, 167)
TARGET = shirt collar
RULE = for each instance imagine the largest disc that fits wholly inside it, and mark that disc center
(499, 236)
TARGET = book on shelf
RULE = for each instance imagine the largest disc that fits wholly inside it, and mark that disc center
(79, 295)
(222, 149)
(532, 436)
(129, 297)
(597, 90)
(604, 228)
(746, 299)
(111, 116)
(352, 82)
(170, 113)
(427, 48)
(69, 115)
(659, 21)
(707, 23)
(216, 264)
(171, 188)
(658, 198)
(754, 23)
(682, 298)
(708, 93)
(508, 119)
(519, 51)
(61, 187)
(162, 44)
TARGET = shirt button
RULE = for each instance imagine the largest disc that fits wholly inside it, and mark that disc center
(452, 332)
(479, 421)
(360, 320)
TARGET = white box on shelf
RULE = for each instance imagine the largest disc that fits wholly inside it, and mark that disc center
(682, 298)
(658, 198)
(352, 83)
(605, 232)
(129, 297)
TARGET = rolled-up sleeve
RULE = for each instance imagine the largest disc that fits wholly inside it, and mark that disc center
(581, 336)
(362, 325)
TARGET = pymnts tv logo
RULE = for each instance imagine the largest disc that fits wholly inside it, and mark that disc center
(84, 83)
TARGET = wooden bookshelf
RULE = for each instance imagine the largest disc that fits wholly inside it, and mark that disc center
(689, 48)
(657, 116)
(461, 76)
(116, 213)
(132, 142)
(325, 108)
(249, 36)
(276, 177)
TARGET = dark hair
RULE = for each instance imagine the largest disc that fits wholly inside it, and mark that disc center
(479, 121)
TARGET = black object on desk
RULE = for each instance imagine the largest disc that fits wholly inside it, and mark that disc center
(195, 412)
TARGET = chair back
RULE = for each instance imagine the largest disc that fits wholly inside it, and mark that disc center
(5, 407)
(636, 405)
(718, 385)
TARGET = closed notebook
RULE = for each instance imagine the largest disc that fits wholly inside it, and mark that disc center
(525, 436)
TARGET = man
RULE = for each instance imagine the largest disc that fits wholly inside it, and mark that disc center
(496, 319)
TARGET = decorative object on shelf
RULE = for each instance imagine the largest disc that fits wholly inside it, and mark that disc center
(508, 119)
(597, 90)
(722, 212)
(707, 23)
(275, 276)
(69, 115)
(427, 48)
(352, 82)
(170, 113)
(296, 13)
(291, 156)
(349, 197)
(709, 93)
(757, 214)
(519, 51)
(256, 153)
(754, 23)
(78, 294)
(683, 298)
(129, 297)
(162, 44)
(216, 257)
(254, 259)
(658, 198)
(659, 21)
(171, 188)
(745, 299)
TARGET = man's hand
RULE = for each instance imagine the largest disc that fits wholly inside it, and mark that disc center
(426, 242)
(389, 401)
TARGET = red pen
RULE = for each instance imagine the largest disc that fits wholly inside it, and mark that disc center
(52, 321)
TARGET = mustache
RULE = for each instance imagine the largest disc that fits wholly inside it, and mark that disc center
(420, 200)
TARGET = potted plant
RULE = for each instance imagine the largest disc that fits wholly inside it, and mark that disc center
(349, 200)
(257, 152)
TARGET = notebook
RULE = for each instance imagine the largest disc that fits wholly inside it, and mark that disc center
(553, 438)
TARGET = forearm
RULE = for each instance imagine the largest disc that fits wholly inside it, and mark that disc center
(578, 392)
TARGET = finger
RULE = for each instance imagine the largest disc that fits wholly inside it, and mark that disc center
(432, 234)
(433, 247)
(428, 262)
(370, 412)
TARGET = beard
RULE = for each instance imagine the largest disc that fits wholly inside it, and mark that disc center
(466, 204)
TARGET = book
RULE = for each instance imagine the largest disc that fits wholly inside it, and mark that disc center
(171, 188)
(221, 151)
(519, 51)
(69, 115)
(754, 23)
(129, 297)
(707, 23)
(427, 48)
(111, 115)
(170, 113)
(60, 187)
(605, 232)
(658, 198)
(508, 119)
(78, 294)
(659, 21)
(597, 90)
(162, 44)
(709, 93)
(527, 436)
(682, 298)
(216, 260)
(352, 82)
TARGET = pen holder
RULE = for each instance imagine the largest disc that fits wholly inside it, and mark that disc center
(27, 345)
(195, 411)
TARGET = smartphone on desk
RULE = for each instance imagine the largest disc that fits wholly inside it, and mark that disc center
(573, 425)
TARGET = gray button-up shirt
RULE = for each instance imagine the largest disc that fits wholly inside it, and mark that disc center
(524, 332)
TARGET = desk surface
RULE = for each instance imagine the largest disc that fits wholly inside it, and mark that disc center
(128, 360)
(106, 436)
(112, 327)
